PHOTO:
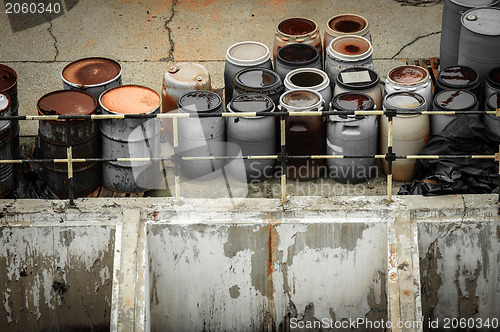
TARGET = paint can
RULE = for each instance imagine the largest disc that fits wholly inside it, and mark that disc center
(201, 136)
(410, 132)
(8, 85)
(346, 24)
(93, 75)
(297, 30)
(252, 136)
(130, 138)
(345, 52)
(351, 135)
(451, 25)
(260, 81)
(52, 142)
(304, 135)
(414, 79)
(239, 56)
(479, 46)
(6, 151)
(312, 79)
(451, 100)
(181, 78)
(359, 80)
(293, 56)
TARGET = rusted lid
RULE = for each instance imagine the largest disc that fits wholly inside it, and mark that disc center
(458, 77)
(301, 98)
(404, 101)
(4, 101)
(408, 75)
(130, 99)
(91, 71)
(8, 77)
(252, 103)
(347, 23)
(188, 72)
(455, 100)
(297, 26)
(67, 102)
(351, 45)
(483, 21)
(200, 102)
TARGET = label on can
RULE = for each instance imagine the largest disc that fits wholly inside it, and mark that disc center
(356, 77)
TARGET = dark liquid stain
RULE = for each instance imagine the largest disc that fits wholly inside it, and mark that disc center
(256, 78)
(296, 26)
(354, 102)
(306, 79)
(455, 100)
(67, 102)
(407, 75)
(251, 103)
(352, 49)
(7, 79)
(347, 26)
(457, 76)
(494, 75)
(297, 53)
(199, 101)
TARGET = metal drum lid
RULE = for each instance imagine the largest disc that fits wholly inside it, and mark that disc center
(349, 101)
(458, 77)
(408, 75)
(200, 102)
(483, 21)
(357, 78)
(248, 53)
(474, 3)
(455, 100)
(91, 71)
(404, 101)
(67, 102)
(252, 103)
(130, 99)
(493, 101)
(494, 78)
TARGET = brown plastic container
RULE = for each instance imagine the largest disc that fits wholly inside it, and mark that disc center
(297, 30)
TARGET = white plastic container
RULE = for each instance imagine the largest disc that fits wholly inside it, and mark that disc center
(409, 132)
(347, 51)
(310, 78)
(414, 79)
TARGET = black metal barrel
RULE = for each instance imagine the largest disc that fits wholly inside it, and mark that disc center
(52, 142)
(6, 170)
(8, 85)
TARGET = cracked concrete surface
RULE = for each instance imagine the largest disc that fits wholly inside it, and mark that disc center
(148, 37)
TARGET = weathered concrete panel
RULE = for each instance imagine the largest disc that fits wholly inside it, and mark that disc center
(56, 278)
(460, 270)
(259, 276)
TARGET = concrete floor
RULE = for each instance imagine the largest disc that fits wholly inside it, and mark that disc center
(148, 37)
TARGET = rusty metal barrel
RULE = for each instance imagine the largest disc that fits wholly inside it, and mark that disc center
(52, 142)
(8, 85)
(130, 138)
(6, 170)
(94, 75)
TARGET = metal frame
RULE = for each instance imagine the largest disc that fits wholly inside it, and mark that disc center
(282, 156)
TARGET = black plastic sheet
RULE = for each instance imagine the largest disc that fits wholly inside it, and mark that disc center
(465, 135)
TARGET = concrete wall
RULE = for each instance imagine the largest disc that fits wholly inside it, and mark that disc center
(151, 264)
